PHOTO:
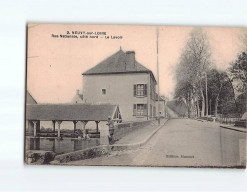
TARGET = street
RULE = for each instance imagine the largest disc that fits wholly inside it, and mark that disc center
(182, 142)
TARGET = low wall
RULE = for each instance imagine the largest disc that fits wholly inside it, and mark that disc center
(81, 154)
(122, 129)
(39, 157)
(242, 123)
(228, 120)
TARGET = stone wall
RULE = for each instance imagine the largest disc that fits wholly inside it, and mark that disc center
(122, 129)
(39, 157)
(81, 154)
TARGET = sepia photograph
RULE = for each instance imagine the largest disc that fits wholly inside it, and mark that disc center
(135, 95)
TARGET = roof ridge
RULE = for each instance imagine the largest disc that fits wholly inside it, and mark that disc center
(103, 60)
(117, 63)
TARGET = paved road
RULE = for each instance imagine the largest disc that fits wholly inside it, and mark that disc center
(182, 142)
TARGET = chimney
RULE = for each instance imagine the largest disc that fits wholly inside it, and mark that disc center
(130, 60)
(77, 91)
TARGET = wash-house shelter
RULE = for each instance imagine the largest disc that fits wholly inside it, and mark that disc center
(58, 113)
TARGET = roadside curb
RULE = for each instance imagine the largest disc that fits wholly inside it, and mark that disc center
(233, 129)
(120, 147)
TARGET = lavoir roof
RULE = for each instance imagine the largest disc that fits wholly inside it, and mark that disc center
(70, 112)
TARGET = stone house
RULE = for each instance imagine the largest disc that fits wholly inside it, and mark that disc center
(121, 80)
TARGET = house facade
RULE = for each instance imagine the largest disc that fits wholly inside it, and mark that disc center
(123, 81)
(160, 105)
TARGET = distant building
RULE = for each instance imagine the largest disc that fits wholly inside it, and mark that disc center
(30, 99)
(78, 98)
(123, 81)
(160, 106)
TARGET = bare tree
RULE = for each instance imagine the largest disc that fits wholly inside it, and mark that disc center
(193, 67)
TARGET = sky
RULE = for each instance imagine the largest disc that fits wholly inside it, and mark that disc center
(55, 65)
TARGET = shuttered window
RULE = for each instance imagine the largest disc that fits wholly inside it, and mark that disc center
(140, 109)
(145, 113)
(140, 90)
(134, 110)
(134, 90)
(145, 90)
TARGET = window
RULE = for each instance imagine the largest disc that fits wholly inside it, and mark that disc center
(140, 90)
(140, 110)
(103, 91)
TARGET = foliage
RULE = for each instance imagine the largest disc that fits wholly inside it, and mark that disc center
(204, 89)
(194, 62)
(238, 71)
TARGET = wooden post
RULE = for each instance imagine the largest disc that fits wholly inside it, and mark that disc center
(58, 130)
(54, 125)
(97, 126)
(74, 125)
(30, 127)
(35, 128)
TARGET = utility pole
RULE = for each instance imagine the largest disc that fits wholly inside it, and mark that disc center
(206, 83)
(157, 33)
(210, 108)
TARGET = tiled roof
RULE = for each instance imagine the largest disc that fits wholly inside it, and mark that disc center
(86, 112)
(119, 62)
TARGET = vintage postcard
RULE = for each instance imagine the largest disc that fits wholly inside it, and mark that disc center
(126, 95)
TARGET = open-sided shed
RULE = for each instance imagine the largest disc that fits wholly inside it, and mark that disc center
(57, 113)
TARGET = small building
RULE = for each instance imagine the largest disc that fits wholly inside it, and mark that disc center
(78, 98)
(30, 99)
(120, 79)
(57, 113)
(160, 106)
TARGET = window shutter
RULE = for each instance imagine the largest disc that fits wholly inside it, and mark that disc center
(134, 90)
(134, 110)
(145, 109)
(145, 90)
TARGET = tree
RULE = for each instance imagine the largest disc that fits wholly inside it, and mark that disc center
(238, 72)
(191, 71)
(216, 82)
(220, 91)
